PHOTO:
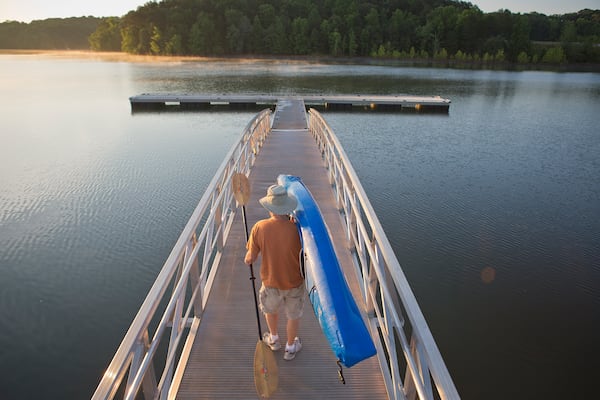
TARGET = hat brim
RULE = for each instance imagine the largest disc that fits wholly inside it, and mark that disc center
(287, 207)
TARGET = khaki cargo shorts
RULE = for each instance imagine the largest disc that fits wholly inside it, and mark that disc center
(292, 301)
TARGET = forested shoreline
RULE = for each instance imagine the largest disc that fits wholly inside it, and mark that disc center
(433, 31)
(49, 34)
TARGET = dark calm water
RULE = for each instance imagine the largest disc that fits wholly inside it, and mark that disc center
(493, 210)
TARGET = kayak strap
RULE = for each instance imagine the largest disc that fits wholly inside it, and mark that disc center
(341, 372)
(301, 255)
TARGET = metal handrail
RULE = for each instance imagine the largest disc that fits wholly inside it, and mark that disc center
(190, 270)
(385, 290)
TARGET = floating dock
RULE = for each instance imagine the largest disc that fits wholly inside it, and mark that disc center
(199, 102)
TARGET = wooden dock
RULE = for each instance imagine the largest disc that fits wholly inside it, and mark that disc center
(220, 361)
(199, 102)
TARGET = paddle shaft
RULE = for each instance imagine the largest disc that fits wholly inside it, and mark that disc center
(265, 366)
(252, 277)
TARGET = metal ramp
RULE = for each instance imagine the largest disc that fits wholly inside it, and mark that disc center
(195, 333)
(220, 364)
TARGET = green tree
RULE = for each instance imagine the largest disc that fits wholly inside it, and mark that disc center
(470, 30)
(265, 30)
(542, 27)
(300, 36)
(440, 29)
(144, 35)
(107, 37)
(350, 24)
(201, 35)
(554, 55)
(401, 30)
(155, 41)
(238, 31)
(500, 56)
(519, 39)
(569, 32)
(317, 43)
(568, 38)
(280, 40)
(523, 58)
(371, 36)
(494, 44)
(335, 43)
(129, 39)
(441, 55)
(352, 44)
(174, 46)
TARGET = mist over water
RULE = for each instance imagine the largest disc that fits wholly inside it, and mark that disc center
(492, 210)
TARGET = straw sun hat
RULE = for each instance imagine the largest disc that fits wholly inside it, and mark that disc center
(278, 201)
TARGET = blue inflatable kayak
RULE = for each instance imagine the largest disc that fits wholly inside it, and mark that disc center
(328, 291)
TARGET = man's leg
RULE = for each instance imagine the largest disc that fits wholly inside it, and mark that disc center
(272, 321)
(292, 330)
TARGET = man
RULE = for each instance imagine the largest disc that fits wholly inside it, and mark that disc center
(276, 239)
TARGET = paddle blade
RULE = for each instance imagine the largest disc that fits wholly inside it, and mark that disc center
(266, 375)
(241, 188)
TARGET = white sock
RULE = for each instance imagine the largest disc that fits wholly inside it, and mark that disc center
(274, 338)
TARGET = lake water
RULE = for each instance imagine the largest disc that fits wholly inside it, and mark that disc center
(493, 210)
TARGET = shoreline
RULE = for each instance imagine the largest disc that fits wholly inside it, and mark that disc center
(389, 62)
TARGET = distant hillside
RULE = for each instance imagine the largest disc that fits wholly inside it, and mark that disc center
(51, 34)
(391, 29)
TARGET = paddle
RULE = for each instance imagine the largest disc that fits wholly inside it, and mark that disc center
(265, 367)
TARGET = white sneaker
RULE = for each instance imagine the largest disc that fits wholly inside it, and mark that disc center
(290, 351)
(273, 344)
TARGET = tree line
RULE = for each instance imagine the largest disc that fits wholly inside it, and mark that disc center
(403, 29)
(352, 28)
(53, 33)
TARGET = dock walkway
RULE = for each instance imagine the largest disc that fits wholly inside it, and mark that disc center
(220, 363)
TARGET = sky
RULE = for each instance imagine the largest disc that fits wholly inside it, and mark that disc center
(28, 10)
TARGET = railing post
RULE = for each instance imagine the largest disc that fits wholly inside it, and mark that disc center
(176, 319)
(219, 222)
(370, 282)
(417, 353)
(149, 381)
(195, 282)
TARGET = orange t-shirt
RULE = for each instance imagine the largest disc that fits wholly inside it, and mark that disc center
(278, 242)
